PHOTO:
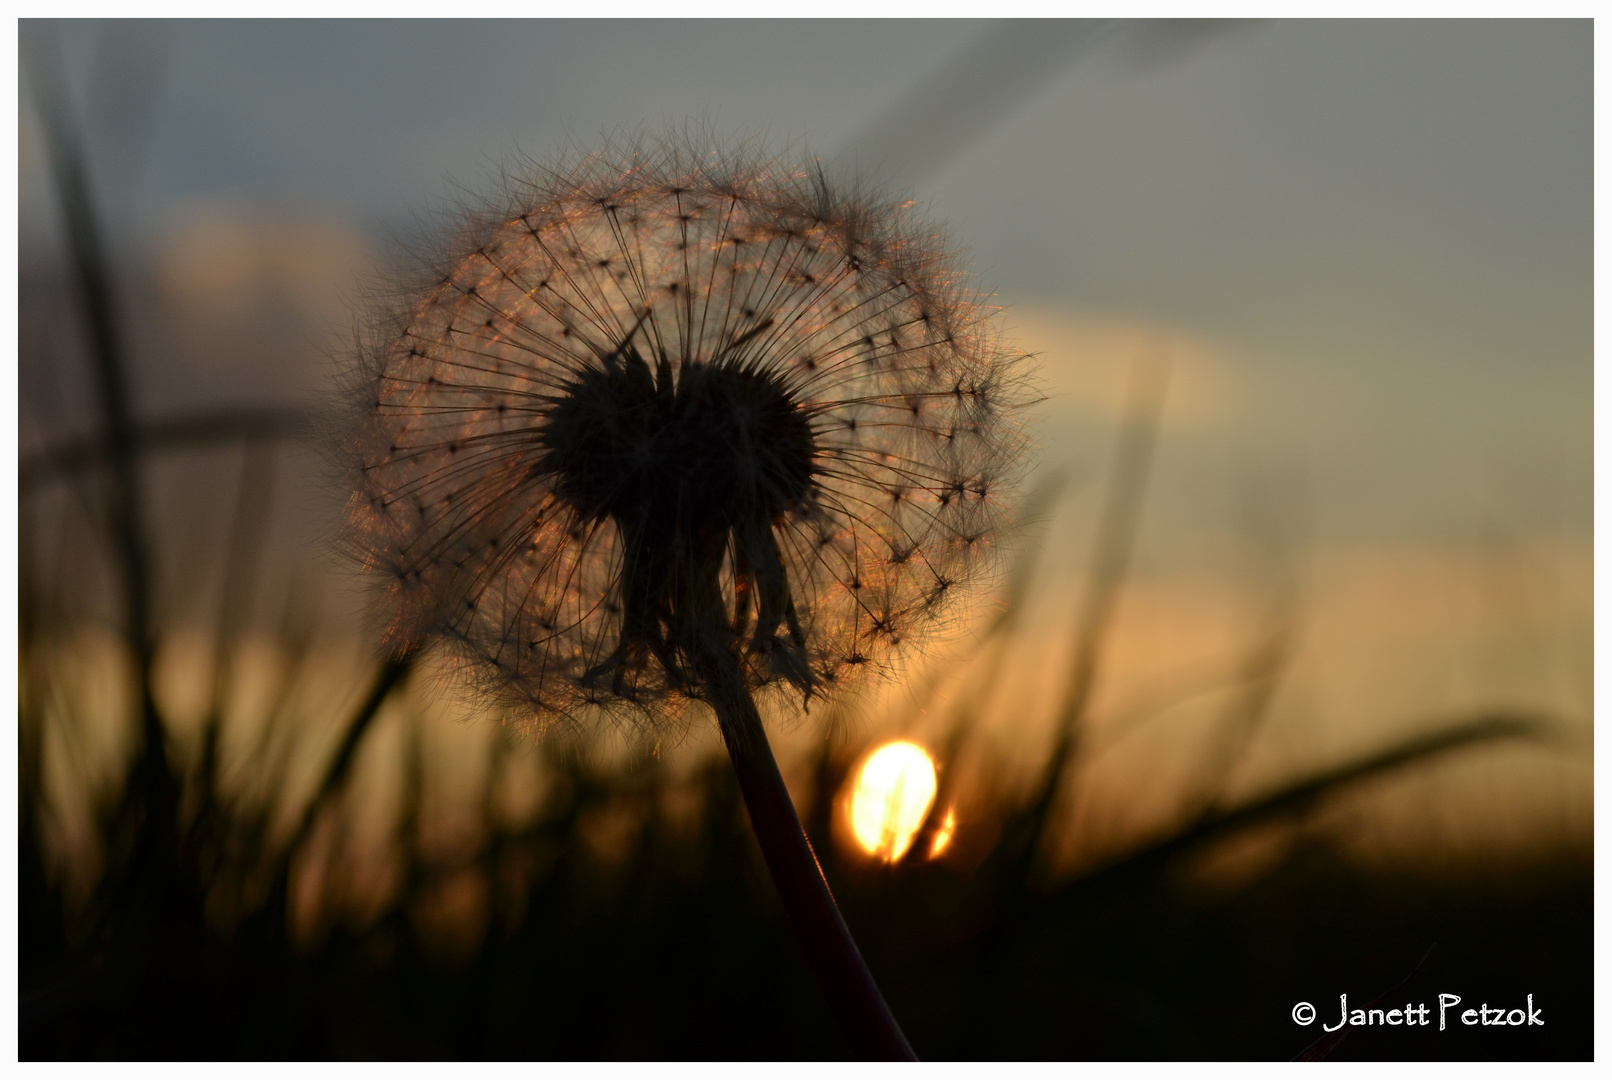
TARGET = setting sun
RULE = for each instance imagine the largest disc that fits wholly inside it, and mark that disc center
(892, 796)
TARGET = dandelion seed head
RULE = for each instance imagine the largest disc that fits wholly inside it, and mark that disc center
(661, 401)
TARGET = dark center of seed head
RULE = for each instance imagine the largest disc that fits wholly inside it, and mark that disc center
(693, 456)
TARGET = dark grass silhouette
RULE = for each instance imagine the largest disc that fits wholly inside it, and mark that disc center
(588, 959)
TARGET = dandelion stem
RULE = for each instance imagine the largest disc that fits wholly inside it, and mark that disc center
(813, 916)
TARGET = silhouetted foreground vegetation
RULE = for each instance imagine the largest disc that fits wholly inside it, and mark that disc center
(680, 951)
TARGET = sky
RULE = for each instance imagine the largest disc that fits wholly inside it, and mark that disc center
(1365, 249)
(1383, 229)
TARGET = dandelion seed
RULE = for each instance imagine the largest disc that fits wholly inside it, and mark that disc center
(701, 438)
(672, 426)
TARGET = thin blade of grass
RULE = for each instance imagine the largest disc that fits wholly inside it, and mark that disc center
(1303, 794)
(391, 674)
(1116, 539)
(212, 427)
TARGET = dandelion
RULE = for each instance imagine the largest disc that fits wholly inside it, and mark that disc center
(670, 426)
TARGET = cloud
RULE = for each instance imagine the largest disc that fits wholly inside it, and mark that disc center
(1084, 358)
(222, 262)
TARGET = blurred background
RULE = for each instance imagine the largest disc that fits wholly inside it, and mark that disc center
(1287, 692)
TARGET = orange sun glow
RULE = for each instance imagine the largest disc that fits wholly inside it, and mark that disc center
(892, 796)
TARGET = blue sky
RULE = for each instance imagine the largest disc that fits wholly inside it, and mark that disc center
(1382, 229)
